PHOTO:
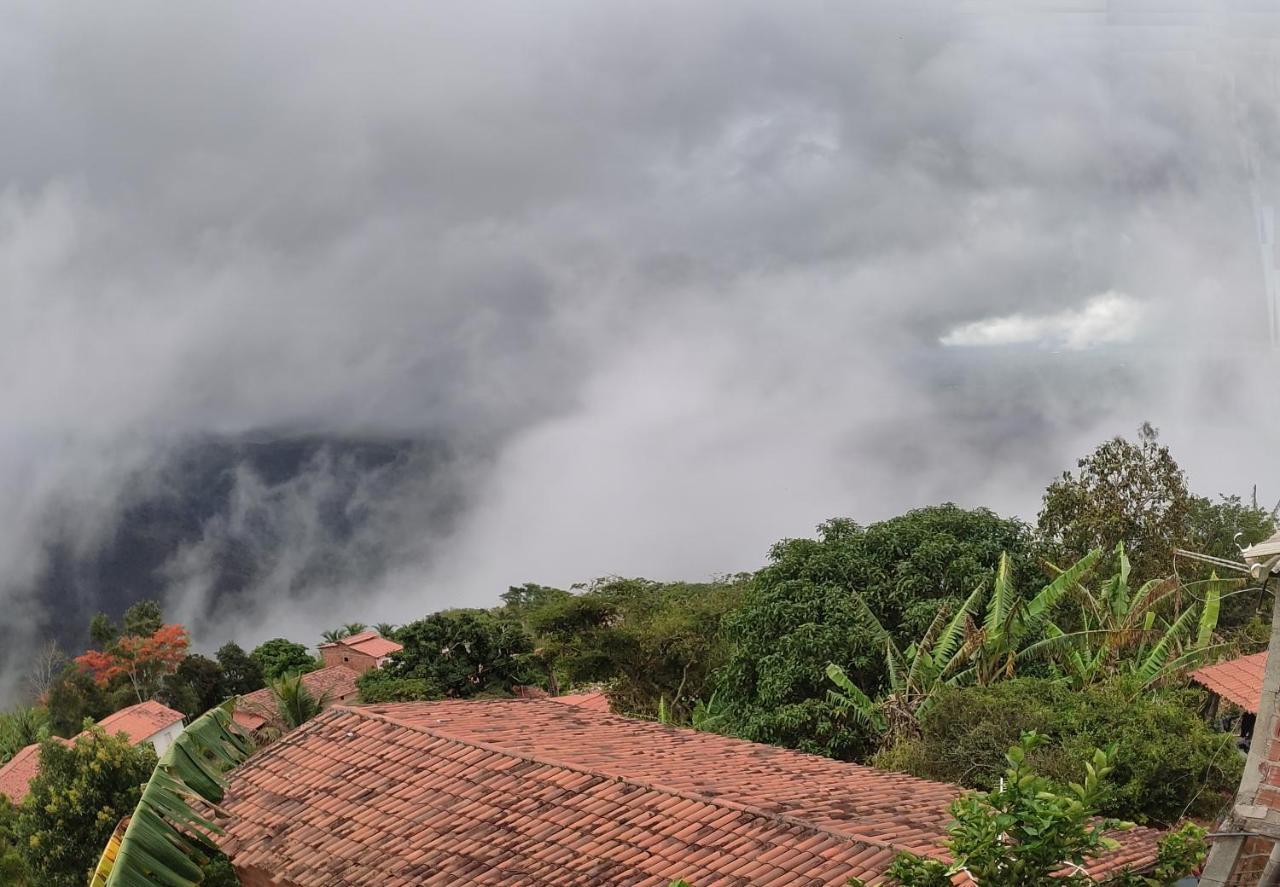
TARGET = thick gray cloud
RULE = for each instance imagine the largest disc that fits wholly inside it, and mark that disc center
(669, 280)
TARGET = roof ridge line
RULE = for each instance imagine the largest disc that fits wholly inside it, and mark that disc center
(777, 818)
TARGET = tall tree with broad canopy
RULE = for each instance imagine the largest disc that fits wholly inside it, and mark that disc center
(800, 614)
(241, 673)
(1125, 492)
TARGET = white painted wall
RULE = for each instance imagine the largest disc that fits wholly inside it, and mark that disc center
(165, 737)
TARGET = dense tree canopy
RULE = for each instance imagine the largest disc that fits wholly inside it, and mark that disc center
(279, 657)
(650, 641)
(1126, 492)
(241, 673)
(800, 614)
(460, 653)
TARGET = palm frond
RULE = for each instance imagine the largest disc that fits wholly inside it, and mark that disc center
(166, 839)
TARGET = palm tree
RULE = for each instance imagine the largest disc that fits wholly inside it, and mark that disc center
(954, 650)
(168, 836)
(353, 628)
(333, 634)
(295, 702)
(385, 629)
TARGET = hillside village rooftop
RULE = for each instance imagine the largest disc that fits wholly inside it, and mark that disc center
(148, 721)
(336, 683)
(544, 794)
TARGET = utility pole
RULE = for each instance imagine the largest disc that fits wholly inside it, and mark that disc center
(1256, 812)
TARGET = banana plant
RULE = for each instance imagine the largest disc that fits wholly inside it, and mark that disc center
(1145, 633)
(956, 649)
(914, 674)
(168, 836)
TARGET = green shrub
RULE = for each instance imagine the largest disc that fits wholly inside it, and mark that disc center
(1168, 762)
(378, 686)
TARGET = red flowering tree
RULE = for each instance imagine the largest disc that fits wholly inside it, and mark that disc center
(143, 659)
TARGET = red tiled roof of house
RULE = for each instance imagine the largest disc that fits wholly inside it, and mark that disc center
(595, 700)
(141, 721)
(337, 682)
(16, 773)
(369, 643)
(539, 793)
(1236, 680)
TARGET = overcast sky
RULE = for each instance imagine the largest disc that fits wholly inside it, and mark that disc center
(673, 280)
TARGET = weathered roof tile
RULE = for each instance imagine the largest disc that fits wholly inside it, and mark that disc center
(540, 793)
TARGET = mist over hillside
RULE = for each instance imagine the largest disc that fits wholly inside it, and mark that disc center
(553, 291)
(226, 525)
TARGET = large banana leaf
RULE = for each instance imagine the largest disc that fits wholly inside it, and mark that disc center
(167, 838)
(1002, 599)
(852, 700)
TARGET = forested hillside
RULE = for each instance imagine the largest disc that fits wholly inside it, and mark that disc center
(929, 643)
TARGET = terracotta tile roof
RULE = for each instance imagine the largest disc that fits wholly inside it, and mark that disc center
(255, 709)
(370, 643)
(1236, 680)
(539, 793)
(141, 721)
(595, 700)
(16, 774)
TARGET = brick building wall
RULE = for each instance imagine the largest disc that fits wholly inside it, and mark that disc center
(342, 655)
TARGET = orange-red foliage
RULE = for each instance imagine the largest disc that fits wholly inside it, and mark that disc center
(138, 656)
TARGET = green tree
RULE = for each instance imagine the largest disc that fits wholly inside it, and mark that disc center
(1125, 492)
(1168, 762)
(1152, 633)
(241, 673)
(196, 686)
(76, 800)
(74, 697)
(13, 867)
(1221, 529)
(463, 653)
(279, 657)
(799, 615)
(168, 837)
(1022, 834)
(19, 727)
(379, 685)
(102, 630)
(143, 619)
(651, 641)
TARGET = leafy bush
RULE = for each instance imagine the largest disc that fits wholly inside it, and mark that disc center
(463, 653)
(1022, 833)
(80, 794)
(280, 656)
(379, 686)
(1168, 762)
